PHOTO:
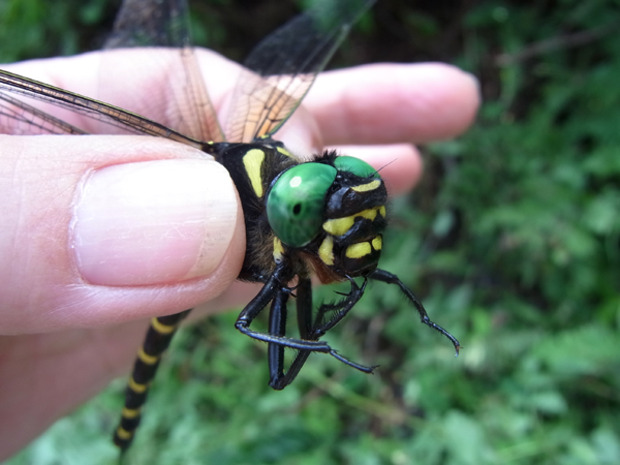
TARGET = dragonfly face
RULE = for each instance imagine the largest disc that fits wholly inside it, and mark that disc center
(324, 217)
(334, 210)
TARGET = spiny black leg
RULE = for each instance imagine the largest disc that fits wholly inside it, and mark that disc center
(304, 323)
(339, 309)
(299, 344)
(272, 287)
(310, 331)
(304, 308)
(156, 341)
(277, 327)
(382, 275)
(258, 303)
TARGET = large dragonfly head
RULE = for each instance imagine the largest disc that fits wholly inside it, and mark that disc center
(333, 211)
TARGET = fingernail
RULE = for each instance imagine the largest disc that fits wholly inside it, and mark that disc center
(153, 222)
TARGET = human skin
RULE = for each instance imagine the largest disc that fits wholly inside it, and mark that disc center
(71, 314)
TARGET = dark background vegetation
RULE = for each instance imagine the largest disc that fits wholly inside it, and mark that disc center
(512, 241)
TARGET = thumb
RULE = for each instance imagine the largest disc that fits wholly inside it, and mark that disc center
(104, 229)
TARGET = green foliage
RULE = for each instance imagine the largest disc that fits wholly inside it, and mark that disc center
(38, 28)
(515, 236)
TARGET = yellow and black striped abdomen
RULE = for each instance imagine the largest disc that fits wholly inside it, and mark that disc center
(157, 339)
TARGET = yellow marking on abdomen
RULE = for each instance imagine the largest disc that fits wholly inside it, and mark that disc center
(136, 387)
(369, 186)
(358, 250)
(130, 413)
(377, 243)
(252, 162)
(123, 434)
(146, 358)
(162, 328)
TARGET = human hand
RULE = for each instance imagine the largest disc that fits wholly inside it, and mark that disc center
(100, 232)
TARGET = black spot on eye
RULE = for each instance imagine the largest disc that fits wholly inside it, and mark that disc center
(297, 209)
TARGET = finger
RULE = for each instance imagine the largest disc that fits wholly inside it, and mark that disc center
(107, 229)
(80, 361)
(392, 103)
(45, 376)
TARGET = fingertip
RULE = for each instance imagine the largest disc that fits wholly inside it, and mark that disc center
(49, 288)
(152, 222)
(452, 99)
(392, 103)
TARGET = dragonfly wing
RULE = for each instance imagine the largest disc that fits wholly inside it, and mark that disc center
(182, 101)
(281, 69)
(18, 116)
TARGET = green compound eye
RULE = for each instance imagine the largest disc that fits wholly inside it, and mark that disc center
(296, 202)
(355, 166)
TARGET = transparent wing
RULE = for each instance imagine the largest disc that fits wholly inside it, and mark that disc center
(281, 69)
(279, 73)
(18, 116)
(164, 23)
(182, 104)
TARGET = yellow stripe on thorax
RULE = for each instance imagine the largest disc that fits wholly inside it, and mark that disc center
(283, 151)
(252, 162)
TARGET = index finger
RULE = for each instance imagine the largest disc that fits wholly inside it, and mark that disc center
(393, 103)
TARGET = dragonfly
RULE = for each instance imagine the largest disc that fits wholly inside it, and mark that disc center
(321, 215)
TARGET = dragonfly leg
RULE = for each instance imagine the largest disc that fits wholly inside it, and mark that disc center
(382, 275)
(308, 331)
